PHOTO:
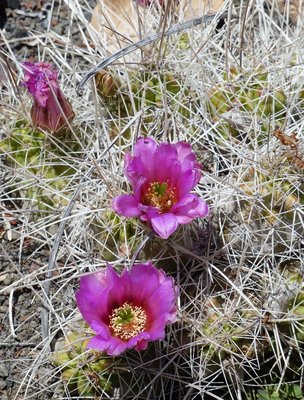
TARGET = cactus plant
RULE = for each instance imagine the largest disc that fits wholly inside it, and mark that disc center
(227, 330)
(86, 372)
(273, 193)
(287, 391)
(235, 336)
(35, 159)
(241, 97)
(115, 235)
(147, 91)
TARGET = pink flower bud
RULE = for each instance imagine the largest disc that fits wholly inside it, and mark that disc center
(51, 110)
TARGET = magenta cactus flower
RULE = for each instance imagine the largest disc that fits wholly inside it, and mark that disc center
(50, 109)
(129, 310)
(162, 177)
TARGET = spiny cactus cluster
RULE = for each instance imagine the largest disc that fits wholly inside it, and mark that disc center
(269, 214)
(261, 227)
(115, 236)
(246, 335)
(149, 91)
(41, 175)
(86, 373)
(241, 95)
(276, 392)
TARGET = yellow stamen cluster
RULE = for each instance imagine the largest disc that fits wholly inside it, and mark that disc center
(127, 321)
(160, 195)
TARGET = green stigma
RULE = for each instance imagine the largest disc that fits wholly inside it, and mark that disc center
(160, 195)
(160, 188)
(124, 316)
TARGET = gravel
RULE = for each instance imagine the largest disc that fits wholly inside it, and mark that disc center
(25, 19)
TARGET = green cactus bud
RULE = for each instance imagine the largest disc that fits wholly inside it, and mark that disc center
(100, 365)
(61, 358)
(300, 311)
(280, 101)
(120, 233)
(49, 173)
(293, 275)
(33, 160)
(290, 202)
(221, 102)
(253, 96)
(172, 85)
(150, 93)
(5, 146)
(85, 386)
(184, 41)
(231, 74)
(70, 375)
(30, 153)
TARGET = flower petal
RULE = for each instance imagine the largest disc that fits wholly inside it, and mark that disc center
(134, 169)
(141, 164)
(92, 297)
(99, 293)
(187, 181)
(144, 148)
(147, 278)
(164, 225)
(141, 345)
(126, 205)
(184, 151)
(162, 301)
(100, 328)
(140, 341)
(189, 207)
(201, 210)
(164, 157)
(148, 212)
(157, 329)
(112, 346)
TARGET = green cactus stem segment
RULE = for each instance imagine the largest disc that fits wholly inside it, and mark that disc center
(160, 195)
(128, 321)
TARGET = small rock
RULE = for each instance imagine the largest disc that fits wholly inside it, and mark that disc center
(2, 384)
(3, 277)
(9, 279)
(21, 298)
(54, 21)
(20, 33)
(13, 4)
(3, 372)
(33, 324)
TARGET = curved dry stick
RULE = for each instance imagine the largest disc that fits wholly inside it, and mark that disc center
(144, 42)
(53, 256)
